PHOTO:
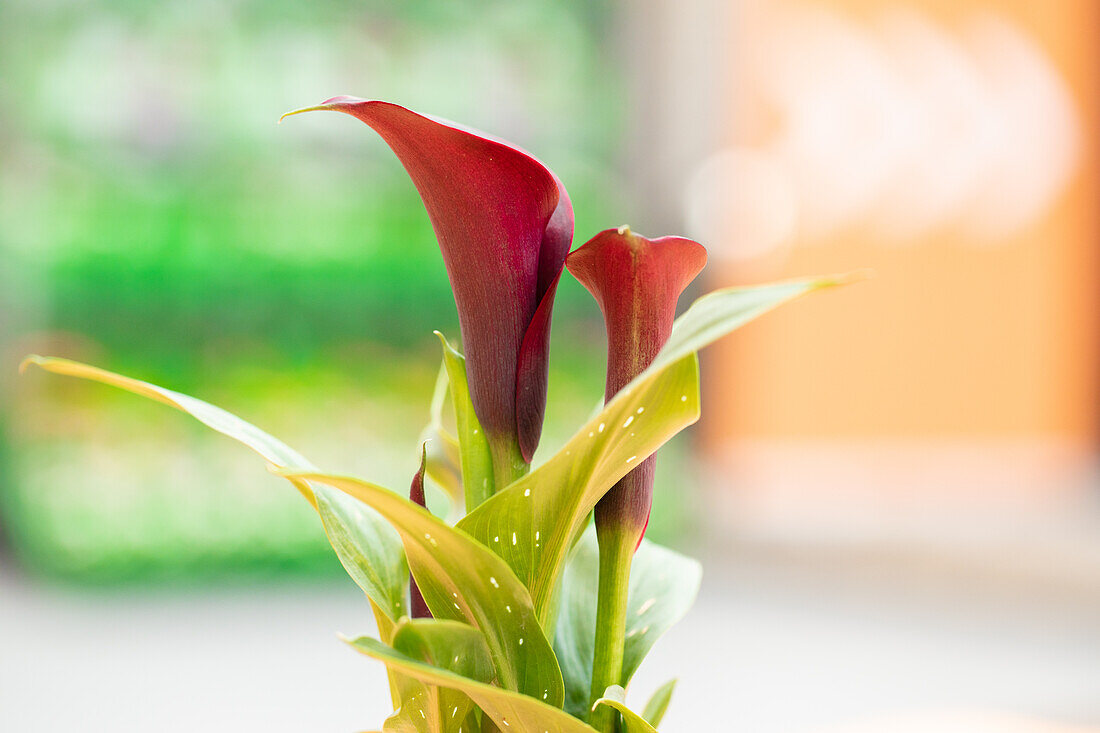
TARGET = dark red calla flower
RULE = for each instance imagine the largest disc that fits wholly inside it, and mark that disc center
(636, 282)
(504, 224)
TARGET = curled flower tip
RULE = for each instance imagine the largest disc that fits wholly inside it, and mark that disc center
(284, 115)
(636, 282)
(330, 104)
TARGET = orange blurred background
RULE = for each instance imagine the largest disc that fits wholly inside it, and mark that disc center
(948, 147)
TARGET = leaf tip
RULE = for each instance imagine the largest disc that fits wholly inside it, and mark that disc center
(447, 347)
(847, 278)
(30, 360)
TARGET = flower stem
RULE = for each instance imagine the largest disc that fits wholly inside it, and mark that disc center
(616, 555)
(508, 463)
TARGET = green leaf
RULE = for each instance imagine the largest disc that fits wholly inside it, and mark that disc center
(532, 523)
(448, 645)
(462, 580)
(476, 458)
(443, 460)
(655, 709)
(546, 508)
(717, 313)
(367, 546)
(663, 586)
(615, 697)
(509, 710)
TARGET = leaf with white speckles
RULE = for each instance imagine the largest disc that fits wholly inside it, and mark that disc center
(449, 645)
(532, 523)
(464, 581)
(509, 710)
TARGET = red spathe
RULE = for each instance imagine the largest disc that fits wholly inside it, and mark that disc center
(636, 282)
(504, 224)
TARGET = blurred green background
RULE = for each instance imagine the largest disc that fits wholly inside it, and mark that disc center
(154, 219)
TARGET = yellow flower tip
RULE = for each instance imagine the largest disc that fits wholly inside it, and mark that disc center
(624, 230)
(316, 108)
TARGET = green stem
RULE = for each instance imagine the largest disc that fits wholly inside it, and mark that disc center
(477, 469)
(508, 463)
(616, 555)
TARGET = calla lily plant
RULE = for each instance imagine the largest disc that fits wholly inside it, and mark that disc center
(518, 611)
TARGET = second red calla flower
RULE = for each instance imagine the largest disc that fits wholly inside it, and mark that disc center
(504, 224)
(636, 282)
